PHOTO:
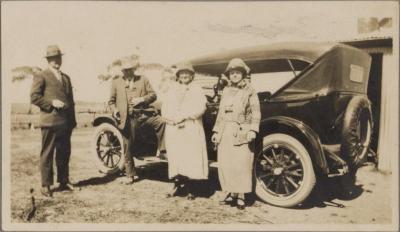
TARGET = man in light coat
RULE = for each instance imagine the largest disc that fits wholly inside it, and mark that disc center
(130, 99)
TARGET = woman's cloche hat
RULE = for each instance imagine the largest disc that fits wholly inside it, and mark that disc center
(239, 64)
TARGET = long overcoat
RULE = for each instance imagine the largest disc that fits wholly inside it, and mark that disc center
(185, 143)
(239, 113)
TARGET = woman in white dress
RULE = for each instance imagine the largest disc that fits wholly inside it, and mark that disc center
(183, 107)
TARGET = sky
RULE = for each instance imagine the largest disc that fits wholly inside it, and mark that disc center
(94, 33)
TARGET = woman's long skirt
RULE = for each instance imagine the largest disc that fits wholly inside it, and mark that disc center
(187, 152)
(235, 163)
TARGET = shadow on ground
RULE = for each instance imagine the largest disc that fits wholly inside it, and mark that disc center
(159, 172)
(326, 193)
(98, 180)
(329, 190)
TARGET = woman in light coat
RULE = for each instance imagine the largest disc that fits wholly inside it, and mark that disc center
(185, 142)
(236, 127)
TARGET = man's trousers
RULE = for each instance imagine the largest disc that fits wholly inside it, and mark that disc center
(56, 141)
(130, 131)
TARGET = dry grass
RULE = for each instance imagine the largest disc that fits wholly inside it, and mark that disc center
(24, 121)
(103, 199)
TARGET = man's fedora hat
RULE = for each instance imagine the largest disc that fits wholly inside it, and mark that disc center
(53, 50)
(128, 63)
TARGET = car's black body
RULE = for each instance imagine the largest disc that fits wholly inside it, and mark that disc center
(317, 98)
(324, 105)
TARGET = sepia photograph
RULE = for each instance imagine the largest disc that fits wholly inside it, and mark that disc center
(200, 115)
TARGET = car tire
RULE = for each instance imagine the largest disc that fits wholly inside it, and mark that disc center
(356, 131)
(108, 148)
(293, 171)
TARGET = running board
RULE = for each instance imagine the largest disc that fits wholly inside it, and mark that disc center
(151, 159)
(156, 159)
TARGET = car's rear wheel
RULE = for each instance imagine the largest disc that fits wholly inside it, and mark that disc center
(108, 147)
(283, 171)
(356, 132)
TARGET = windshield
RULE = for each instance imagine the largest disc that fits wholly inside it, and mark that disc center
(206, 82)
(270, 82)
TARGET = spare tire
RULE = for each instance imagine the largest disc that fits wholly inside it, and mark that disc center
(356, 131)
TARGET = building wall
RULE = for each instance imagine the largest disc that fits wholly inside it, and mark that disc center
(389, 127)
(388, 145)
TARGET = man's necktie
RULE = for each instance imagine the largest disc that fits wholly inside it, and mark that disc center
(61, 79)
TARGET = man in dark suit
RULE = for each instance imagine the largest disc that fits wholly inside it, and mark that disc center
(130, 99)
(52, 92)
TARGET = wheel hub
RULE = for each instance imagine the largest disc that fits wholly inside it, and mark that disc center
(278, 171)
(109, 149)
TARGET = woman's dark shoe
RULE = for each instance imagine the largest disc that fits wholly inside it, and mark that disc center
(191, 197)
(169, 195)
(175, 191)
(178, 189)
(240, 203)
(229, 200)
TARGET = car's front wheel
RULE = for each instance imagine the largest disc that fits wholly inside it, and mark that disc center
(108, 148)
(283, 171)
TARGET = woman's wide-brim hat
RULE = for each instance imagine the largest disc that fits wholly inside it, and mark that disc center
(184, 67)
(53, 50)
(237, 64)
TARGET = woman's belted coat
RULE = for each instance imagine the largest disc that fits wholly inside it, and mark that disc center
(239, 113)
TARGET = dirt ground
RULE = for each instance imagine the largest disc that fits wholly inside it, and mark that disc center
(102, 199)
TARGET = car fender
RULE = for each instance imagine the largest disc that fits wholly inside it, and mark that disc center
(104, 119)
(307, 136)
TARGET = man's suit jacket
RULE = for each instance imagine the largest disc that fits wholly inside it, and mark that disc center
(118, 97)
(46, 88)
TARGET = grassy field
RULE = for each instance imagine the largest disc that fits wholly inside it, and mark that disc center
(103, 199)
(26, 121)
(25, 116)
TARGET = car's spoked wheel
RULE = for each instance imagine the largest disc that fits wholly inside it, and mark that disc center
(283, 170)
(279, 170)
(109, 149)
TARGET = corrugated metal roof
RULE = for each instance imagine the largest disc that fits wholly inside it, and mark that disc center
(370, 41)
(365, 38)
(374, 43)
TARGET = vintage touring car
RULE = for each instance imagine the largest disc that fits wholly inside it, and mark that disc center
(316, 116)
